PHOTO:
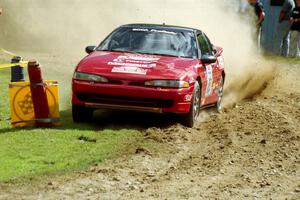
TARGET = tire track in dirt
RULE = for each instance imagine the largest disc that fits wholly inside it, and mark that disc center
(250, 151)
(229, 156)
(237, 162)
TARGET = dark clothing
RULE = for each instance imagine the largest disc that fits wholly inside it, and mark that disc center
(296, 16)
(287, 8)
(259, 8)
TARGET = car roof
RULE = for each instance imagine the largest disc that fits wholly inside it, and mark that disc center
(161, 26)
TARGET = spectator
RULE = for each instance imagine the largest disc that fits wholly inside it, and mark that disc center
(260, 13)
(0, 10)
(295, 30)
(283, 29)
(243, 6)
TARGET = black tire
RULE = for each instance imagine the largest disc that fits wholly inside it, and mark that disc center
(82, 114)
(190, 118)
(220, 95)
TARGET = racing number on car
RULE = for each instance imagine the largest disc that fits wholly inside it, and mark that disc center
(209, 80)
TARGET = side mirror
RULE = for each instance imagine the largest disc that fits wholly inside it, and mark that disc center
(207, 59)
(90, 49)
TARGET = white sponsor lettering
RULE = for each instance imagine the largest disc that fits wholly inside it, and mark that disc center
(153, 30)
(163, 31)
(129, 70)
(126, 64)
(138, 58)
(135, 61)
(140, 29)
(221, 62)
(209, 79)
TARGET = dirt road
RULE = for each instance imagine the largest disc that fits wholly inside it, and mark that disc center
(250, 151)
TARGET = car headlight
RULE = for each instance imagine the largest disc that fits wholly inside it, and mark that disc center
(89, 77)
(168, 83)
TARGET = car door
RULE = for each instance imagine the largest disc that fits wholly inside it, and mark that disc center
(217, 68)
(210, 70)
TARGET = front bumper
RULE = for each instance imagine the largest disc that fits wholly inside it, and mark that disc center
(129, 97)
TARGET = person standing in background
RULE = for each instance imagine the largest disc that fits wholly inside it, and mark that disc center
(0, 10)
(283, 29)
(295, 30)
(243, 6)
(260, 13)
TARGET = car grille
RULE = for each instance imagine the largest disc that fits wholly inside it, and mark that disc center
(115, 82)
(126, 101)
(141, 84)
(121, 82)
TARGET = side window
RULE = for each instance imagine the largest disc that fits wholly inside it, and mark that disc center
(209, 44)
(204, 45)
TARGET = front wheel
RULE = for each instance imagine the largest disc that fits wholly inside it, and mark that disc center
(190, 118)
(81, 114)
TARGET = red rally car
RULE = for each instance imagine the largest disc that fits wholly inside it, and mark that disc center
(146, 67)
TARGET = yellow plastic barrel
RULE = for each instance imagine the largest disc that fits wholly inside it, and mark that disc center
(21, 106)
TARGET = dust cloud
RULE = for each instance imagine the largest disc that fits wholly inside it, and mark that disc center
(65, 27)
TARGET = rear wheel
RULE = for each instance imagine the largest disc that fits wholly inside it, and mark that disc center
(190, 118)
(220, 95)
(82, 114)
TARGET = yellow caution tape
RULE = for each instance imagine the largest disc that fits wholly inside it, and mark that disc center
(9, 65)
(7, 52)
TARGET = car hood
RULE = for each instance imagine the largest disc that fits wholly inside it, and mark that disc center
(136, 66)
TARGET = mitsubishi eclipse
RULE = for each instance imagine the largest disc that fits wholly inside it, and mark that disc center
(154, 68)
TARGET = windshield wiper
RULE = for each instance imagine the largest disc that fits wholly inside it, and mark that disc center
(116, 50)
(160, 54)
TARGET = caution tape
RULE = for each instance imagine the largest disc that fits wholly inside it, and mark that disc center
(7, 52)
(9, 65)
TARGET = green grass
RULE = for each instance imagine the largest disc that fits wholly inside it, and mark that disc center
(29, 153)
(38, 152)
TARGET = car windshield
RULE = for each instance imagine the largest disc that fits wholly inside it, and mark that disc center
(151, 41)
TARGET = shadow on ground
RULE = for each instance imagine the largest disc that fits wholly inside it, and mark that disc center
(112, 119)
